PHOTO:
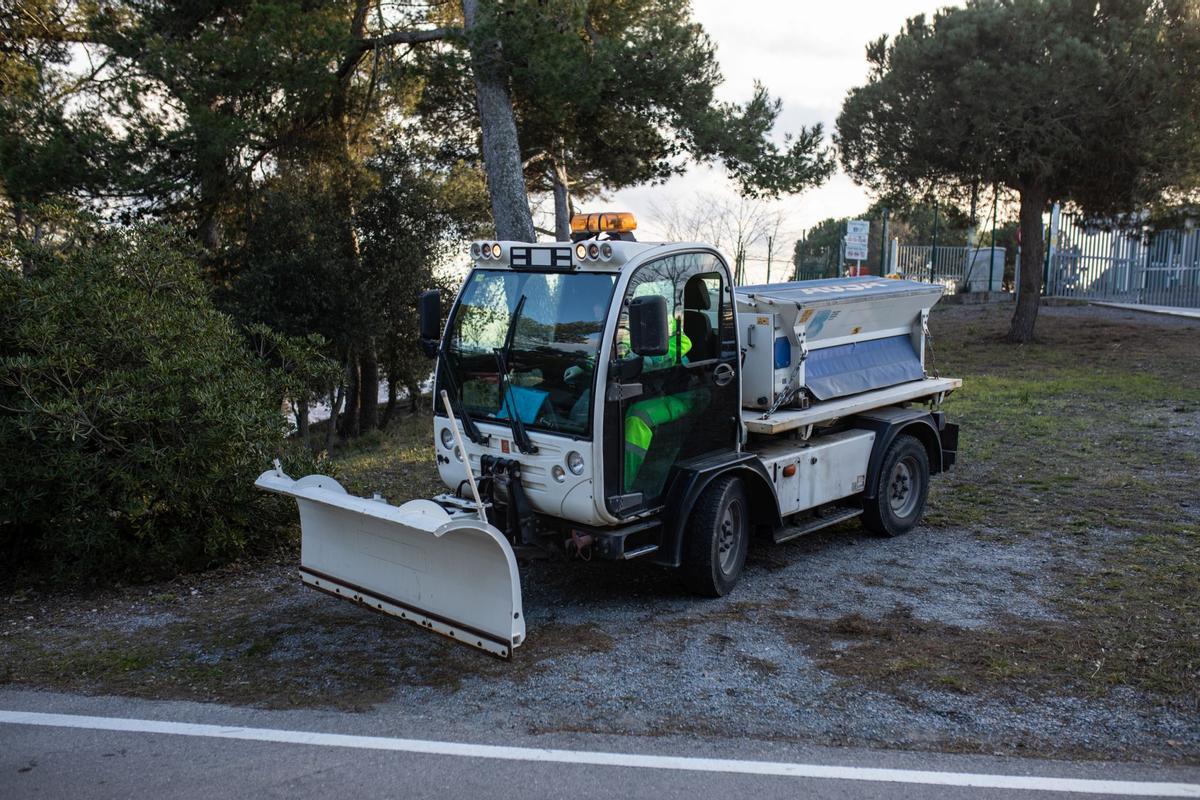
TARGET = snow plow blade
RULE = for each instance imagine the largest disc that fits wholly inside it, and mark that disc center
(452, 574)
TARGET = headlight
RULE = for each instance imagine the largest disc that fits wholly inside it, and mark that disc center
(575, 463)
(447, 438)
(558, 473)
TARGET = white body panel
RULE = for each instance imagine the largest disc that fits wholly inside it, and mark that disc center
(570, 499)
(762, 381)
(827, 468)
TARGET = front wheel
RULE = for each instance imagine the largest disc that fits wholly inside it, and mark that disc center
(717, 537)
(900, 489)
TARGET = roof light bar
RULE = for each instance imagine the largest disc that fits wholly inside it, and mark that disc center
(604, 222)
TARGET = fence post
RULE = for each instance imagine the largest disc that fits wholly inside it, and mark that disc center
(933, 251)
(1055, 221)
(883, 244)
(992, 254)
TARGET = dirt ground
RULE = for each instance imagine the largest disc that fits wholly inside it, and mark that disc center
(1049, 604)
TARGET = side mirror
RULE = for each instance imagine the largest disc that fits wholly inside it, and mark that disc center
(649, 332)
(429, 309)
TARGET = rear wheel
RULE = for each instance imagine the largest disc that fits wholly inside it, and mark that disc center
(717, 537)
(900, 489)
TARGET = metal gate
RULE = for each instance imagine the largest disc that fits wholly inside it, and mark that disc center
(1159, 268)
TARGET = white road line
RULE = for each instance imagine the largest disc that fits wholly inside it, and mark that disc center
(462, 749)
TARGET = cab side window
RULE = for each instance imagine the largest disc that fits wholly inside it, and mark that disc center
(701, 299)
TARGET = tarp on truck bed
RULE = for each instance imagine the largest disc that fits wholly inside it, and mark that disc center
(857, 367)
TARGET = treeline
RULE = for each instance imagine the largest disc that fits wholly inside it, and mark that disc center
(327, 156)
(216, 208)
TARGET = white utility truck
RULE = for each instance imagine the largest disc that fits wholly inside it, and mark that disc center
(612, 398)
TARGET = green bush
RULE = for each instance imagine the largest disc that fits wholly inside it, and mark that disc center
(133, 416)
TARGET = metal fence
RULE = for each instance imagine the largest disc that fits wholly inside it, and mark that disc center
(1160, 268)
(920, 262)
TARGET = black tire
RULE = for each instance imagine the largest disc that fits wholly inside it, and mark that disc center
(716, 539)
(901, 489)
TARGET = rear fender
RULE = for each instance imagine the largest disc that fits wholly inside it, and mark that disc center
(888, 423)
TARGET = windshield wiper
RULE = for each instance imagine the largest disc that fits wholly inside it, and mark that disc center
(520, 435)
(459, 408)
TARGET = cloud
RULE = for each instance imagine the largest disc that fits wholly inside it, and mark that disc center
(808, 54)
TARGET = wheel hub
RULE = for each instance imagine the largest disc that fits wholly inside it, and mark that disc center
(727, 539)
(902, 490)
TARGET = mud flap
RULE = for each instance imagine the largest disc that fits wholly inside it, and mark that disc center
(455, 575)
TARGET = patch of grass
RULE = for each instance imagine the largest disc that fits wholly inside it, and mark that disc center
(1069, 433)
(1092, 429)
(254, 649)
(399, 463)
(1133, 623)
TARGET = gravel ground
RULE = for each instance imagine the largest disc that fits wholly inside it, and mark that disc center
(838, 637)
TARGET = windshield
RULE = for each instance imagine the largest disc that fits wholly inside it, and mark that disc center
(555, 344)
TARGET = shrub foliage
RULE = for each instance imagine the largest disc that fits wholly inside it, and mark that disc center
(134, 418)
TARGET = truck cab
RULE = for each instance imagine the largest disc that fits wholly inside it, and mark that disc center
(580, 391)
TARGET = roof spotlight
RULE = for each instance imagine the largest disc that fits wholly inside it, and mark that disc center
(474, 249)
(593, 251)
(485, 250)
(495, 249)
(606, 251)
(581, 251)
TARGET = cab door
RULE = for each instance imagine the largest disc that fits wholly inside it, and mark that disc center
(662, 411)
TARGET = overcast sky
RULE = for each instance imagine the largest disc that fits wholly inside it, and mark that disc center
(808, 53)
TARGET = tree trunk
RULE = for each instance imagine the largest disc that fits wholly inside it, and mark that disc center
(368, 388)
(562, 199)
(501, 149)
(210, 232)
(19, 223)
(361, 361)
(414, 397)
(302, 422)
(390, 408)
(350, 426)
(1029, 291)
(335, 405)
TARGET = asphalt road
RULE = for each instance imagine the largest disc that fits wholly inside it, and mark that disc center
(54, 745)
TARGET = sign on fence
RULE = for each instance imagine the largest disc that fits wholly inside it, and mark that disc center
(857, 231)
(857, 228)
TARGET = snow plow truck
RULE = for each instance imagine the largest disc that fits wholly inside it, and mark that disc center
(618, 399)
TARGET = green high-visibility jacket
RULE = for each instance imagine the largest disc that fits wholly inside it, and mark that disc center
(645, 415)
